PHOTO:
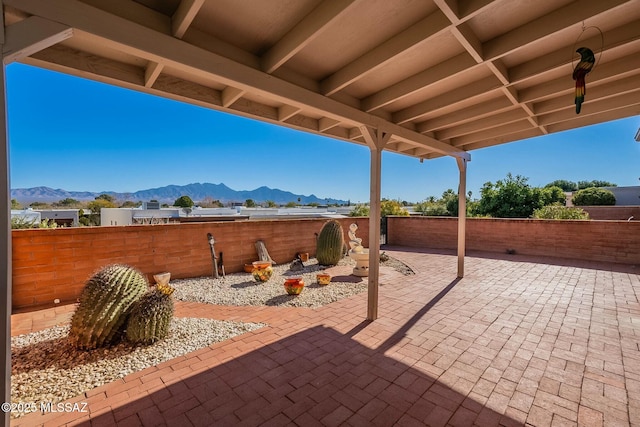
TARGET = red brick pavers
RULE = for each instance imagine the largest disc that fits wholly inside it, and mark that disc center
(517, 341)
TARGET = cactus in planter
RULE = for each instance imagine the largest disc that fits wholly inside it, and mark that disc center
(150, 318)
(105, 302)
(330, 243)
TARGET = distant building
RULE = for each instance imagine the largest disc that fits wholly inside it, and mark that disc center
(131, 216)
(62, 217)
(626, 196)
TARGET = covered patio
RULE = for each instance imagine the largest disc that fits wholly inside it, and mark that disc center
(519, 340)
(419, 78)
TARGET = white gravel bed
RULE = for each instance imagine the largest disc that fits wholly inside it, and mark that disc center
(47, 368)
(242, 289)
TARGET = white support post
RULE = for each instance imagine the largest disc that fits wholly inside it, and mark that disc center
(462, 214)
(18, 41)
(5, 249)
(376, 140)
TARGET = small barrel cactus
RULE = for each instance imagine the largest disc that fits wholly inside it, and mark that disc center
(105, 302)
(150, 318)
(330, 243)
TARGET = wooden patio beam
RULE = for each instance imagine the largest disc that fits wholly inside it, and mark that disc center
(151, 45)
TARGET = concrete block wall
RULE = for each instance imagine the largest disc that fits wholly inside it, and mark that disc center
(611, 241)
(621, 213)
(51, 264)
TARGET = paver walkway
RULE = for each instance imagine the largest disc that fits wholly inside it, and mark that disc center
(517, 341)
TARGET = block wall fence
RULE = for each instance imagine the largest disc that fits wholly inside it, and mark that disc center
(621, 213)
(51, 264)
(610, 241)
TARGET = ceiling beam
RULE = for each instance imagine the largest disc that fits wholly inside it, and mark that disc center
(482, 124)
(461, 10)
(303, 33)
(230, 95)
(286, 112)
(382, 54)
(616, 38)
(615, 69)
(449, 8)
(446, 99)
(184, 16)
(516, 136)
(467, 9)
(66, 60)
(606, 116)
(593, 92)
(441, 71)
(180, 21)
(136, 12)
(324, 124)
(465, 115)
(498, 131)
(600, 105)
(143, 42)
(151, 73)
(467, 38)
(32, 35)
(533, 31)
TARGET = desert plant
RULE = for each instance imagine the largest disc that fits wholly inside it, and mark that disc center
(593, 197)
(392, 207)
(558, 211)
(330, 243)
(151, 316)
(22, 223)
(360, 210)
(105, 302)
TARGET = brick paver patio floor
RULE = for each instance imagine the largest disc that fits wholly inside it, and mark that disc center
(519, 340)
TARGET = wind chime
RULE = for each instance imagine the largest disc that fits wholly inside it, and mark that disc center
(585, 65)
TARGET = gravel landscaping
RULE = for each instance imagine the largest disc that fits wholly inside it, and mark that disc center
(242, 289)
(46, 368)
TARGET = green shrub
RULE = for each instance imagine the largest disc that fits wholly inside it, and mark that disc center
(392, 207)
(551, 195)
(360, 210)
(560, 212)
(594, 197)
(183, 202)
(428, 208)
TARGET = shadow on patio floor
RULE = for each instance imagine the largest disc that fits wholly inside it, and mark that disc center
(317, 376)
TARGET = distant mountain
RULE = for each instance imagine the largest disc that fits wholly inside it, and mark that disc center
(170, 193)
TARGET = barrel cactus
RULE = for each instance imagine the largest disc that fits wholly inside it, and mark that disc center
(330, 243)
(150, 318)
(105, 302)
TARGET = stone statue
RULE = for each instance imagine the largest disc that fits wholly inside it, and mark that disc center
(359, 254)
(354, 242)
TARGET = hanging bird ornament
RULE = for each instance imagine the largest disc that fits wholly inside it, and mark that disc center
(587, 61)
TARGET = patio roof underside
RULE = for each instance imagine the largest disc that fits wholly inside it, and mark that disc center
(441, 76)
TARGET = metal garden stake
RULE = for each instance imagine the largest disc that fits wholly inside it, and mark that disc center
(214, 259)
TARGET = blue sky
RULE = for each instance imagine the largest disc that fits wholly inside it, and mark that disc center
(81, 135)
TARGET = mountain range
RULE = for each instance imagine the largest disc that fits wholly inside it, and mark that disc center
(169, 193)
